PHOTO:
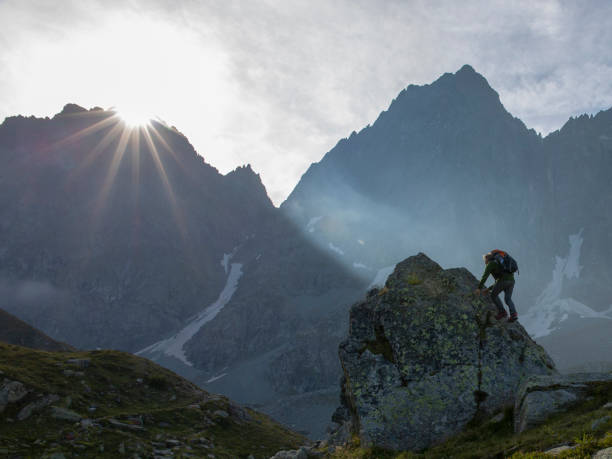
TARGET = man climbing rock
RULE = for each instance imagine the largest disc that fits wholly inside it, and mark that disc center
(503, 273)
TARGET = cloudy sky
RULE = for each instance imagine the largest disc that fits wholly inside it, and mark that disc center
(277, 83)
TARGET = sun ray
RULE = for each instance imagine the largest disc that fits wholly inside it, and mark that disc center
(110, 177)
(162, 173)
(165, 144)
(109, 120)
(97, 150)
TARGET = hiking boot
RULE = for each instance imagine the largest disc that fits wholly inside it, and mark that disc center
(513, 317)
(500, 315)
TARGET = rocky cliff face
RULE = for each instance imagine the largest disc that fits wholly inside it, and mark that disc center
(110, 236)
(424, 356)
(127, 238)
(453, 174)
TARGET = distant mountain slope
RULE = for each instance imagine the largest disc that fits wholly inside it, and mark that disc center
(15, 331)
(128, 239)
(446, 170)
(109, 237)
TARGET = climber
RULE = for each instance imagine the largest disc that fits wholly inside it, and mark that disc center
(502, 267)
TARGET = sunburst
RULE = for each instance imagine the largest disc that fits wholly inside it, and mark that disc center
(125, 128)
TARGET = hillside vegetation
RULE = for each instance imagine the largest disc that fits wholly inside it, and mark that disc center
(113, 404)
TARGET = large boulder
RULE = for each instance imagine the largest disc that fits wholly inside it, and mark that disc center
(539, 397)
(425, 356)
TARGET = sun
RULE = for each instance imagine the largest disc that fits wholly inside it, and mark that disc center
(134, 117)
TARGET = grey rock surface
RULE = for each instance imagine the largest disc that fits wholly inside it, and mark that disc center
(541, 396)
(11, 392)
(603, 454)
(424, 356)
(65, 414)
(36, 406)
(291, 454)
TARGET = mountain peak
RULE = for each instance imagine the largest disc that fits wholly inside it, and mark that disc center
(72, 108)
(467, 69)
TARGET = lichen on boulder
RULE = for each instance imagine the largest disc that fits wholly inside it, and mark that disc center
(425, 356)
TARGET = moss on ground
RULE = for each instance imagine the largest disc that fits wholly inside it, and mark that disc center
(132, 406)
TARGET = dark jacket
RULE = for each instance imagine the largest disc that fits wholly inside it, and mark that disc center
(497, 271)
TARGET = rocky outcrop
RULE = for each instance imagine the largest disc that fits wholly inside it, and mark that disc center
(539, 397)
(424, 357)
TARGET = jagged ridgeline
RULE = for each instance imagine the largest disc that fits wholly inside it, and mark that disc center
(121, 238)
(448, 171)
(425, 357)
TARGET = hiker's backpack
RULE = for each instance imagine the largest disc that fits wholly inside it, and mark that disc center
(505, 261)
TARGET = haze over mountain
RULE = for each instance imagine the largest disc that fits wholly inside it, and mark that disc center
(447, 170)
(126, 238)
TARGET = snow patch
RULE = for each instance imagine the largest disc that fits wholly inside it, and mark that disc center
(360, 265)
(336, 249)
(551, 309)
(215, 378)
(310, 226)
(381, 277)
(227, 258)
(173, 346)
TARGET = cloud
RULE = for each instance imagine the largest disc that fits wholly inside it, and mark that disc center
(26, 294)
(290, 78)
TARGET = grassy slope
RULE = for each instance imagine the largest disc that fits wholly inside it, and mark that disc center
(134, 391)
(498, 440)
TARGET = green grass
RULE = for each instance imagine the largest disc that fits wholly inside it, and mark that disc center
(124, 387)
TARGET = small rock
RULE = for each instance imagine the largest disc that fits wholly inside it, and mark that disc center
(603, 454)
(87, 423)
(80, 363)
(139, 380)
(499, 417)
(11, 392)
(36, 405)
(121, 448)
(292, 454)
(558, 450)
(223, 414)
(91, 409)
(599, 422)
(123, 425)
(65, 414)
(172, 442)
(608, 406)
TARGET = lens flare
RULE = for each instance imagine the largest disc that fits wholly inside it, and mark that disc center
(134, 117)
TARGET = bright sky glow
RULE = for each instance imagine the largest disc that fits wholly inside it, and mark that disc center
(133, 116)
(277, 83)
